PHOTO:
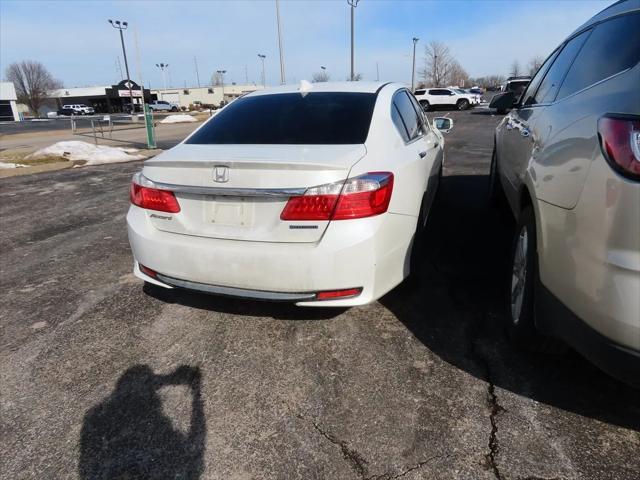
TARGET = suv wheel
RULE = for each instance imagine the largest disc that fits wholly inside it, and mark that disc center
(425, 105)
(462, 104)
(520, 315)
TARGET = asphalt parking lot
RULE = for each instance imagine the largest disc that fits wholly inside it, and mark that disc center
(100, 380)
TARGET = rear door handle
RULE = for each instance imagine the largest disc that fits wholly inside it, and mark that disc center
(424, 153)
(525, 132)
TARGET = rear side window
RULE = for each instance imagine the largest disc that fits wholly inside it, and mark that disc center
(529, 95)
(409, 116)
(420, 92)
(552, 80)
(318, 118)
(613, 47)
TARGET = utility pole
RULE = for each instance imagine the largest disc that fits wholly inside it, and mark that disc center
(377, 73)
(353, 4)
(195, 61)
(119, 67)
(413, 66)
(163, 67)
(282, 77)
(120, 26)
(262, 57)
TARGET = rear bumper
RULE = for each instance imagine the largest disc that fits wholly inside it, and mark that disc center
(371, 253)
(555, 319)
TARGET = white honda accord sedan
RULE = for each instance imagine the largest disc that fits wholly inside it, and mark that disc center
(311, 195)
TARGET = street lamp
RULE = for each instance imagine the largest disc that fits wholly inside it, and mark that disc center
(413, 67)
(221, 73)
(117, 24)
(163, 67)
(262, 57)
(353, 4)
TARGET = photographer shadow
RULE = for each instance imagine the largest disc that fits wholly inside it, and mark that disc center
(128, 436)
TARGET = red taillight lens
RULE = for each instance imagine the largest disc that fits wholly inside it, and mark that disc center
(148, 271)
(153, 198)
(309, 207)
(620, 143)
(363, 196)
(338, 294)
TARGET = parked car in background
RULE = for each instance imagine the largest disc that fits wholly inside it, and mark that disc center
(162, 106)
(474, 98)
(476, 91)
(320, 202)
(517, 85)
(65, 112)
(79, 109)
(567, 162)
(437, 97)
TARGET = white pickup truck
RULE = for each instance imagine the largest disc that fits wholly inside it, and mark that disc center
(162, 106)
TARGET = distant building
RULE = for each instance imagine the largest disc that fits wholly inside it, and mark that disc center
(8, 107)
(109, 99)
(202, 96)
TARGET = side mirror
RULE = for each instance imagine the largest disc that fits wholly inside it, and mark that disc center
(444, 124)
(503, 101)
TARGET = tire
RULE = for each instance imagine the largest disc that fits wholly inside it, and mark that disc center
(462, 104)
(174, 109)
(501, 111)
(425, 105)
(519, 317)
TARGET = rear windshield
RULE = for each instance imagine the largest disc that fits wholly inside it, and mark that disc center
(318, 118)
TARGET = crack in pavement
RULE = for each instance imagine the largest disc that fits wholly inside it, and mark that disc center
(358, 463)
(494, 406)
(352, 456)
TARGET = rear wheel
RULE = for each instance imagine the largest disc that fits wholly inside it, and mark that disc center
(462, 104)
(418, 248)
(425, 105)
(520, 315)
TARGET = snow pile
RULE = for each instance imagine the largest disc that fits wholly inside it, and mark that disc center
(92, 154)
(11, 165)
(178, 119)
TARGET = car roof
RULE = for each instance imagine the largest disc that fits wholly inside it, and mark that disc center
(618, 8)
(354, 87)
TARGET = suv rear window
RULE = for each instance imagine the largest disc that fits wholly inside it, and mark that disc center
(318, 118)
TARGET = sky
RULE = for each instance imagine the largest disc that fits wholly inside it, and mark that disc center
(74, 40)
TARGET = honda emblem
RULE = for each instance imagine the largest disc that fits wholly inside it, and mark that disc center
(221, 174)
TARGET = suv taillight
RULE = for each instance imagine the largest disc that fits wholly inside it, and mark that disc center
(145, 196)
(620, 142)
(363, 196)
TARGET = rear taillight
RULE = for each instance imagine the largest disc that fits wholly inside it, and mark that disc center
(363, 196)
(145, 196)
(620, 142)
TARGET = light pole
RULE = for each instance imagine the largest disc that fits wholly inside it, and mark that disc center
(163, 67)
(413, 67)
(353, 4)
(117, 24)
(221, 73)
(262, 57)
(282, 78)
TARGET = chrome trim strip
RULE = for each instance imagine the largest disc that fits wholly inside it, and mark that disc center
(231, 192)
(237, 292)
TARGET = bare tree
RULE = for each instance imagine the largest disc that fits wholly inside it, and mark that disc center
(32, 81)
(534, 64)
(515, 70)
(457, 75)
(321, 76)
(356, 77)
(438, 62)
